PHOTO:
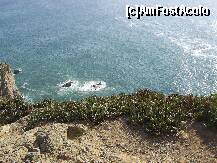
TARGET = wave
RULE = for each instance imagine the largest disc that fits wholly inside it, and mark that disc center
(76, 86)
(92, 86)
(25, 86)
(27, 98)
(196, 47)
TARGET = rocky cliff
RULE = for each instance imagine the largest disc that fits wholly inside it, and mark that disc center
(111, 141)
(7, 82)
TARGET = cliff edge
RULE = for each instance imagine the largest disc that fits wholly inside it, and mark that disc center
(7, 82)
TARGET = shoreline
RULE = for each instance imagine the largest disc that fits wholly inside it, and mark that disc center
(127, 127)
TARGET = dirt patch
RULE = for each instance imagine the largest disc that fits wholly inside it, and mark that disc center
(112, 141)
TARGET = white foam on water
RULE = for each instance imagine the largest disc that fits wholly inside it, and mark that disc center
(74, 87)
(24, 85)
(196, 47)
(92, 86)
(187, 79)
(88, 86)
(27, 98)
(73, 84)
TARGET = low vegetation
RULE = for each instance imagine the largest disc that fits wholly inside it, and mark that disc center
(12, 110)
(155, 112)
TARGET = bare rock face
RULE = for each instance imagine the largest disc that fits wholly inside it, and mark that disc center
(7, 82)
(74, 132)
(43, 142)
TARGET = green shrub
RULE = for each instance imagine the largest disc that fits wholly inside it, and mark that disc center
(207, 113)
(13, 109)
(156, 112)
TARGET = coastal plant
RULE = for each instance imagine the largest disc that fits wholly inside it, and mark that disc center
(158, 113)
(155, 112)
(207, 113)
(12, 110)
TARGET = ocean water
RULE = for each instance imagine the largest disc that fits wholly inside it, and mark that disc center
(54, 41)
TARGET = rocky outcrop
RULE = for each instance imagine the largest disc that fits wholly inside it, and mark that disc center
(111, 141)
(67, 84)
(43, 142)
(7, 82)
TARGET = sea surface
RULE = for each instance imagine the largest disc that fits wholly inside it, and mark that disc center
(88, 42)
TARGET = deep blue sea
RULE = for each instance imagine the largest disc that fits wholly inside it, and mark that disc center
(91, 41)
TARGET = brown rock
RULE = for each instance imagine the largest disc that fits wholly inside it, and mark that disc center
(74, 132)
(7, 82)
(43, 142)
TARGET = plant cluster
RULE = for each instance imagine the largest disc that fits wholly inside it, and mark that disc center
(12, 110)
(156, 112)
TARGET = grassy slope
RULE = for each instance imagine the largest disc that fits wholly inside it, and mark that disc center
(156, 112)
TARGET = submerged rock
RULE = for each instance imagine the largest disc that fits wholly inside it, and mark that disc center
(68, 84)
(17, 71)
(97, 85)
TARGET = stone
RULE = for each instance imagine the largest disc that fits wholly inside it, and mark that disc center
(68, 84)
(74, 132)
(32, 157)
(17, 71)
(43, 142)
(7, 82)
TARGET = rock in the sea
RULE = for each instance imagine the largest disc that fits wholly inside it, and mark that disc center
(68, 84)
(17, 71)
(97, 86)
